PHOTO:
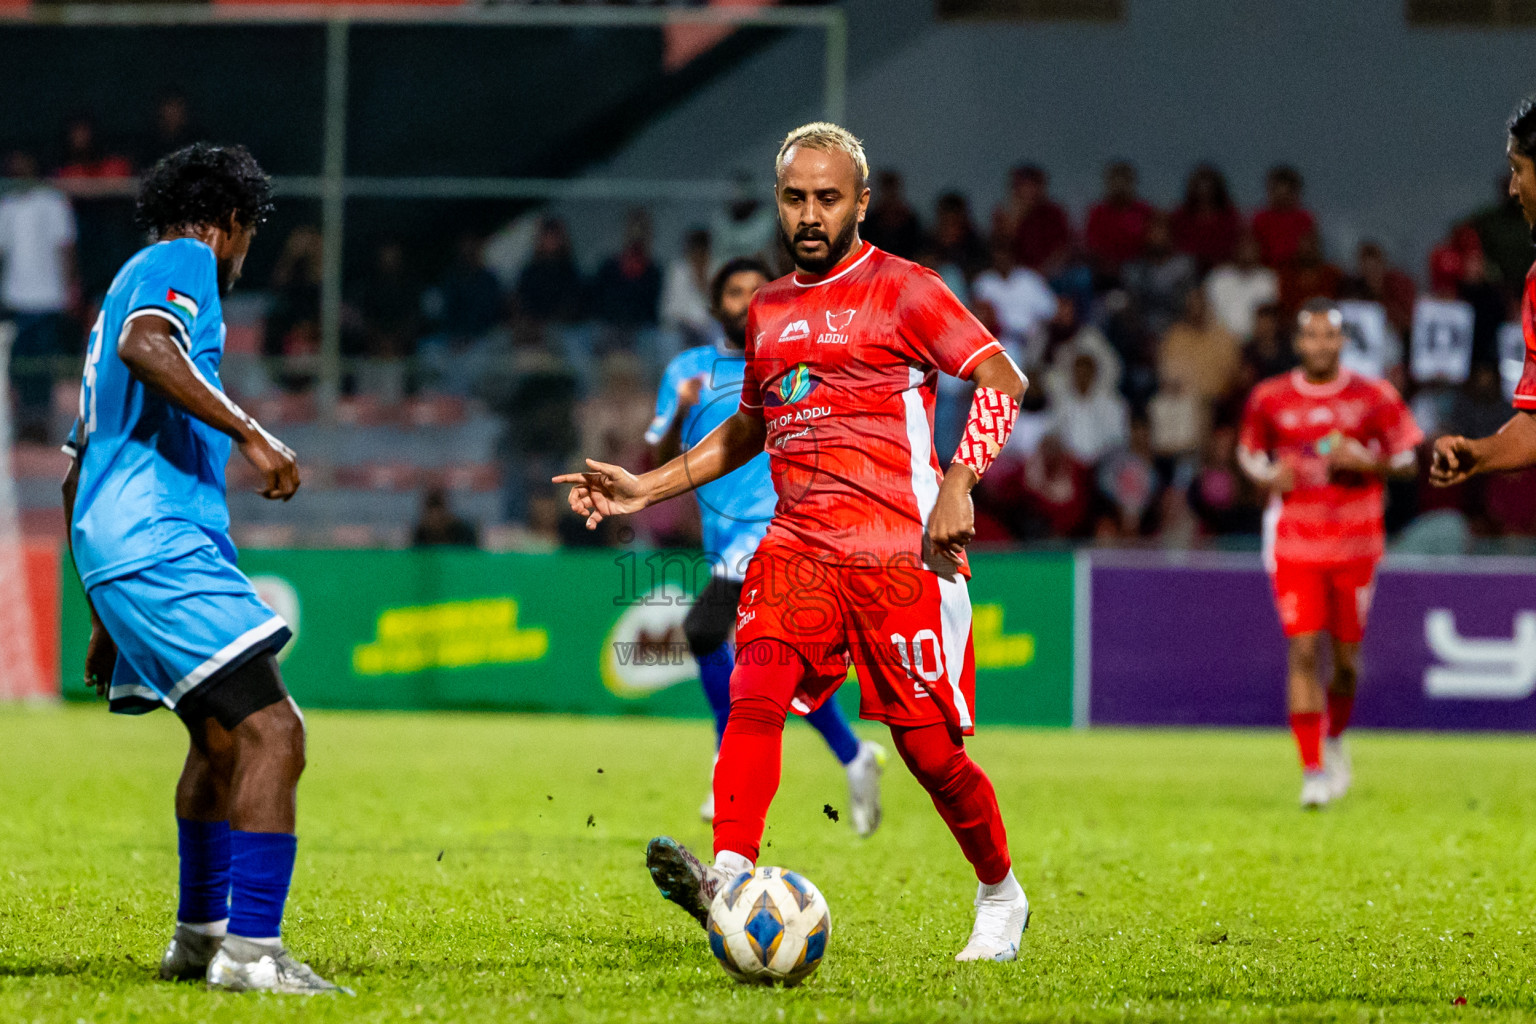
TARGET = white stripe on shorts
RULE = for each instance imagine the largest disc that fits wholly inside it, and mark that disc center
(955, 622)
(232, 650)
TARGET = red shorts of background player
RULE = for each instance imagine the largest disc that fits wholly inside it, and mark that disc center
(1314, 597)
(906, 629)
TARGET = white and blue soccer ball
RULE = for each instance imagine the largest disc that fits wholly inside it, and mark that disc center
(769, 926)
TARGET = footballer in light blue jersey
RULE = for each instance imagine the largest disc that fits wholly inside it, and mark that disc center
(701, 389)
(174, 623)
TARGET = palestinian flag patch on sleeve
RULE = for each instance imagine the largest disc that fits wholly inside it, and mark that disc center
(182, 302)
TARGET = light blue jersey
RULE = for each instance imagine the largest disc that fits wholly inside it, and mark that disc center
(735, 510)
(150, 535)
(151, 475)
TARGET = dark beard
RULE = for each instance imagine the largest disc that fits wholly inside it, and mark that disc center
(837, 248)
(735, 333)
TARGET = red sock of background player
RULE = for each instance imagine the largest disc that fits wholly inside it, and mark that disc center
(1340, 707)
(752, 747)
(962, 793)
(1307, 727)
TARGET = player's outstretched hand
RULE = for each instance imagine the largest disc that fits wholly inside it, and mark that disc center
(100, 658)
(1452, 462)
(275, 461)
(603, 491)
(952, 523)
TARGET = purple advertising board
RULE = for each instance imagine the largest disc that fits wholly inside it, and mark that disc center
(1194, 640)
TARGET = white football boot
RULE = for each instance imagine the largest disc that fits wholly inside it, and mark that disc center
(864, 788)
(188, 955)
(241, 965)
(1337, 767)
(1315, 792)
(1001, 917)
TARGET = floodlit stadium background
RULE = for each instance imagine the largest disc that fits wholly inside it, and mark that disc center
(493, 226)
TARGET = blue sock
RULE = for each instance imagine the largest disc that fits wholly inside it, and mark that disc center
(829, 721)
(203, 847)
(715, 673)
(260, 868)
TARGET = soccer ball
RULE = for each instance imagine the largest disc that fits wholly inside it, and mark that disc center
(769, 926)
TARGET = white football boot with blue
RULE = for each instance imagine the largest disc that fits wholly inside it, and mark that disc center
(1002, 914)
(241, 965)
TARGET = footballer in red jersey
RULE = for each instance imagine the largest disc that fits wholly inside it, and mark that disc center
(864, 561)
(1322, 440)
(1456, 459)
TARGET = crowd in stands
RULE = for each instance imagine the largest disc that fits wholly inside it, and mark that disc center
(1142, 330)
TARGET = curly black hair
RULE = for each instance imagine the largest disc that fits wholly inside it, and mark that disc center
(1522, 127)
(204, 184)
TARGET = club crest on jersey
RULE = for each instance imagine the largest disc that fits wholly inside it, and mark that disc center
(796, 331)
(840, 321)
(795, 385)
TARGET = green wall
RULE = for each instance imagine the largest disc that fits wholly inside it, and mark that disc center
(589, 632)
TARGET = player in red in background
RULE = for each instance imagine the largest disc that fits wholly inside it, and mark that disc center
(1514, 447)
(865, 557)
(1322, 440)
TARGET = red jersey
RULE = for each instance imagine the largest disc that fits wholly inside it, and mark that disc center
(842, 369)
(1327, 518)
(1525, 391)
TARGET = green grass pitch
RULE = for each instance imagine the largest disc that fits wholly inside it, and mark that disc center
(482, 868)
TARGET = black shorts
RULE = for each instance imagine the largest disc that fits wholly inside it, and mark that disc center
(231, 697)
(713, 613)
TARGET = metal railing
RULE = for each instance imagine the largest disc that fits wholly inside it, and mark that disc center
(333, 187)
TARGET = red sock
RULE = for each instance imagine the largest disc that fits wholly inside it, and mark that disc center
(962, 793)
(1308, 729)
(1340, 707)
(752, 750)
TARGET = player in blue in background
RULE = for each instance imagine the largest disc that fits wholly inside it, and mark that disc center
(700, 389)
(173, 622)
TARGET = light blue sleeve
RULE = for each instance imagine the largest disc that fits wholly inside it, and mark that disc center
(178, 280)
(666, 400)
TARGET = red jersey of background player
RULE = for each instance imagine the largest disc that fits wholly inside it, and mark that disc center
(1525, 392)
(1326, 518)
(842, 368)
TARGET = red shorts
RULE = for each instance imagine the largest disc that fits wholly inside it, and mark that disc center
(905, 628)
(1315, 597)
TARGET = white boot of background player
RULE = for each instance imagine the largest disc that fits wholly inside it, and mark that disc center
(1002, 914)
(1315, 792)
(864, 788)
(1336, 767)
(707, 808)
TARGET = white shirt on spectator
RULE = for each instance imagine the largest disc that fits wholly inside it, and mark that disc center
(684, 305)
(1371, 347)
(1093, 425)
(1023, 302)
(1442, 341)
(1234, 294)
(36, 224)
(1511, 357)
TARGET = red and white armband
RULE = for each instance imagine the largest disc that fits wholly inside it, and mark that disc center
(992, 417)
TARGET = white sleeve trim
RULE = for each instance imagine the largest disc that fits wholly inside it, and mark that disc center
(975, 357)
(168, 317)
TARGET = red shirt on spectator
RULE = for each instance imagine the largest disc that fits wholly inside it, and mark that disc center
(1280, 232)
(1210, 236)
(1116, 232)
(1041, 235)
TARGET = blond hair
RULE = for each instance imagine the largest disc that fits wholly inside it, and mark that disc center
(828, 138)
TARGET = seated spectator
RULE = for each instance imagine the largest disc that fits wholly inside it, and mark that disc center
(1021, 301)
(85, 158)
(292, 332)
(1206, 226)
(170, 129)
(388, 304)
(1234, 290)
(890, 221)
(626, 291)
(747, 226)
(1505, 235)
(1199, 352)
(1479, 290)
(1307, 275)
(534, 393)
(1268, 351)
(957, 246)
(1178, 422)
(549, 285)
(1377, 281)
(1284, 222)
(439, 527)
(1479, 408)
(1158, 282)
(1220, 494)
(1032, 223)
(1068, 337)
(1090, 418)
(1117, 225)
(1055, 492)
(466, 308)
(1129, 482)
(685, 295)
